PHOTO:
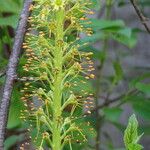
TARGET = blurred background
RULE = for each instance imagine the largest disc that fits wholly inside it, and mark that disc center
(121, 48)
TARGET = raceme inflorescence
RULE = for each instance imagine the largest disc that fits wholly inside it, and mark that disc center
(55, 72)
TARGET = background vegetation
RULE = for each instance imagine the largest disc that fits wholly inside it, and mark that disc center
(118, 87)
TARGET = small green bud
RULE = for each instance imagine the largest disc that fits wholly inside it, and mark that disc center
(40, 91)
(43, 119)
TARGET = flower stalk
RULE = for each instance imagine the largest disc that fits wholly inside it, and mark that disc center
(53, 59)
(58, 55)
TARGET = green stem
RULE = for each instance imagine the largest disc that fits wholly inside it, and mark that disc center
(58, 61)
(99, 122)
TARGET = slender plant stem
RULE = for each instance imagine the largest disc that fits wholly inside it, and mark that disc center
(11, 71)
(99, 122)
(58, 80)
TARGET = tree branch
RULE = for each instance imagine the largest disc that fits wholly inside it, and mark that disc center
(107, 103)
(140, 15)
(11, 70)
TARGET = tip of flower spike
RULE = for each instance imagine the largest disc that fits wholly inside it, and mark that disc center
(58, 4)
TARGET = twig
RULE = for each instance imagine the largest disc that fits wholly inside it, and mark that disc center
(107, 103)
(11, 71)
(141, 16)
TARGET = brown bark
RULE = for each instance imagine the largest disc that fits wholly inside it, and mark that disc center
(11, 70)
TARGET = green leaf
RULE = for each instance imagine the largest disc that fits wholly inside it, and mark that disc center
(145, 88)
(131, 137)
(125, 36)
(121, 3)
(105, 24)
(10, 6)
(142, 108)
(140, 78)
(112, 114)
(140, 104)
(15, 111)
(131, 131)
(12, 140)
(115, 29)
(9, 21)
(135, 147)
(118, 72)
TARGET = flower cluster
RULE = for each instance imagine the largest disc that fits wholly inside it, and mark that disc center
(58, 70)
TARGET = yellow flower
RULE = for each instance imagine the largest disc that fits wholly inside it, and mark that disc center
(58, 4)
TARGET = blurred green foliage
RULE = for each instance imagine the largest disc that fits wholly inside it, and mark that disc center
(9, 15)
